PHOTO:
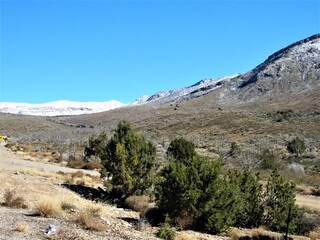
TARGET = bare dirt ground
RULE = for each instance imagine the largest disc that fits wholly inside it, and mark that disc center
(11, 161)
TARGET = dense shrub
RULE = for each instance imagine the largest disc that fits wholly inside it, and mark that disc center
(279, 204)
(250, 202)
(128, 160)
(190, 187)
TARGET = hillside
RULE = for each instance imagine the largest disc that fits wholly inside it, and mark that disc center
(267, 106)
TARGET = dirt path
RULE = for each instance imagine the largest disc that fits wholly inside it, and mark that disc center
(311, 202)
(11, 161)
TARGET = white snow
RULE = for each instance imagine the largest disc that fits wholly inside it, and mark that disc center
(172, 96)
(58, 108)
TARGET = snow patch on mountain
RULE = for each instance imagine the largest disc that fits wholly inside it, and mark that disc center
(59, 108)
(172, 96)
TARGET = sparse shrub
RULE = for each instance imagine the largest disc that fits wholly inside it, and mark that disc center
(307, 223)
(296, 146)
(234, 234)
(268, 159)
(283, 115)
(165, 231)
(234, 149)
(75, 164)
(66, 206)
(12, 201)
(137, 203)
(94, 209)
(77, 174)
(90, 222)
(21, 227)
(142, 224)
(48, 207)
(92, 165)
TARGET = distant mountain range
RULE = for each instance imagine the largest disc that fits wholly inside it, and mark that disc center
(59, 108)
(293, 69)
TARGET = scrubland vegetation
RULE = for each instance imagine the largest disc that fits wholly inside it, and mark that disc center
(246, 179)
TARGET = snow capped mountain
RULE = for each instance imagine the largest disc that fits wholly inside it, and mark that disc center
(292, 69)
(173, 96)
(59, 108)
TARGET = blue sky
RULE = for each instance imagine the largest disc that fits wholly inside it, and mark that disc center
(103, 50)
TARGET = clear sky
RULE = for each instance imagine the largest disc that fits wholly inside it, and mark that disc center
(103, 50)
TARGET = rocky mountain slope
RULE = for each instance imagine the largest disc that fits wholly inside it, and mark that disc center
(294, 68)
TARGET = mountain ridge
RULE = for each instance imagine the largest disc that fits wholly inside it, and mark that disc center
(290, 69)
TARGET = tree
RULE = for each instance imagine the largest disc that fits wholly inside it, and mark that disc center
(181, 150)
(96, 145)
(128, 160)
(279, 203)
(250, 202)
(191, 191)
(296, 146)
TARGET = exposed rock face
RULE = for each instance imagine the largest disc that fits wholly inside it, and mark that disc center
(293, 69)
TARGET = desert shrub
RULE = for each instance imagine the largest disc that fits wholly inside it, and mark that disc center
(142, 224)
(296, 146)
(77, 174)
(166, 231)
(283, 115)
(94, 209)
(77, 164)
(67, 206)
(234, 149)
(137, 203)
(92, 165)
(90, 222)
(48, 207)
(268, 159)
(307, 222)
(13, 201)
(21, 227)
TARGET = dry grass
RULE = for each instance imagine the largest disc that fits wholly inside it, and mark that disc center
(13, 201)
(77, 177)
(137, 203)
(21, 227)
(48, 207)
(90, 222)
(234, 233)
(34, 172)
(314, 235)
(94, 209)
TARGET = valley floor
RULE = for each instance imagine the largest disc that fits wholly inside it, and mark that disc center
(34, 187)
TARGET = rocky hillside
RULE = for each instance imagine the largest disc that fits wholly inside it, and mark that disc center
(292, 69)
